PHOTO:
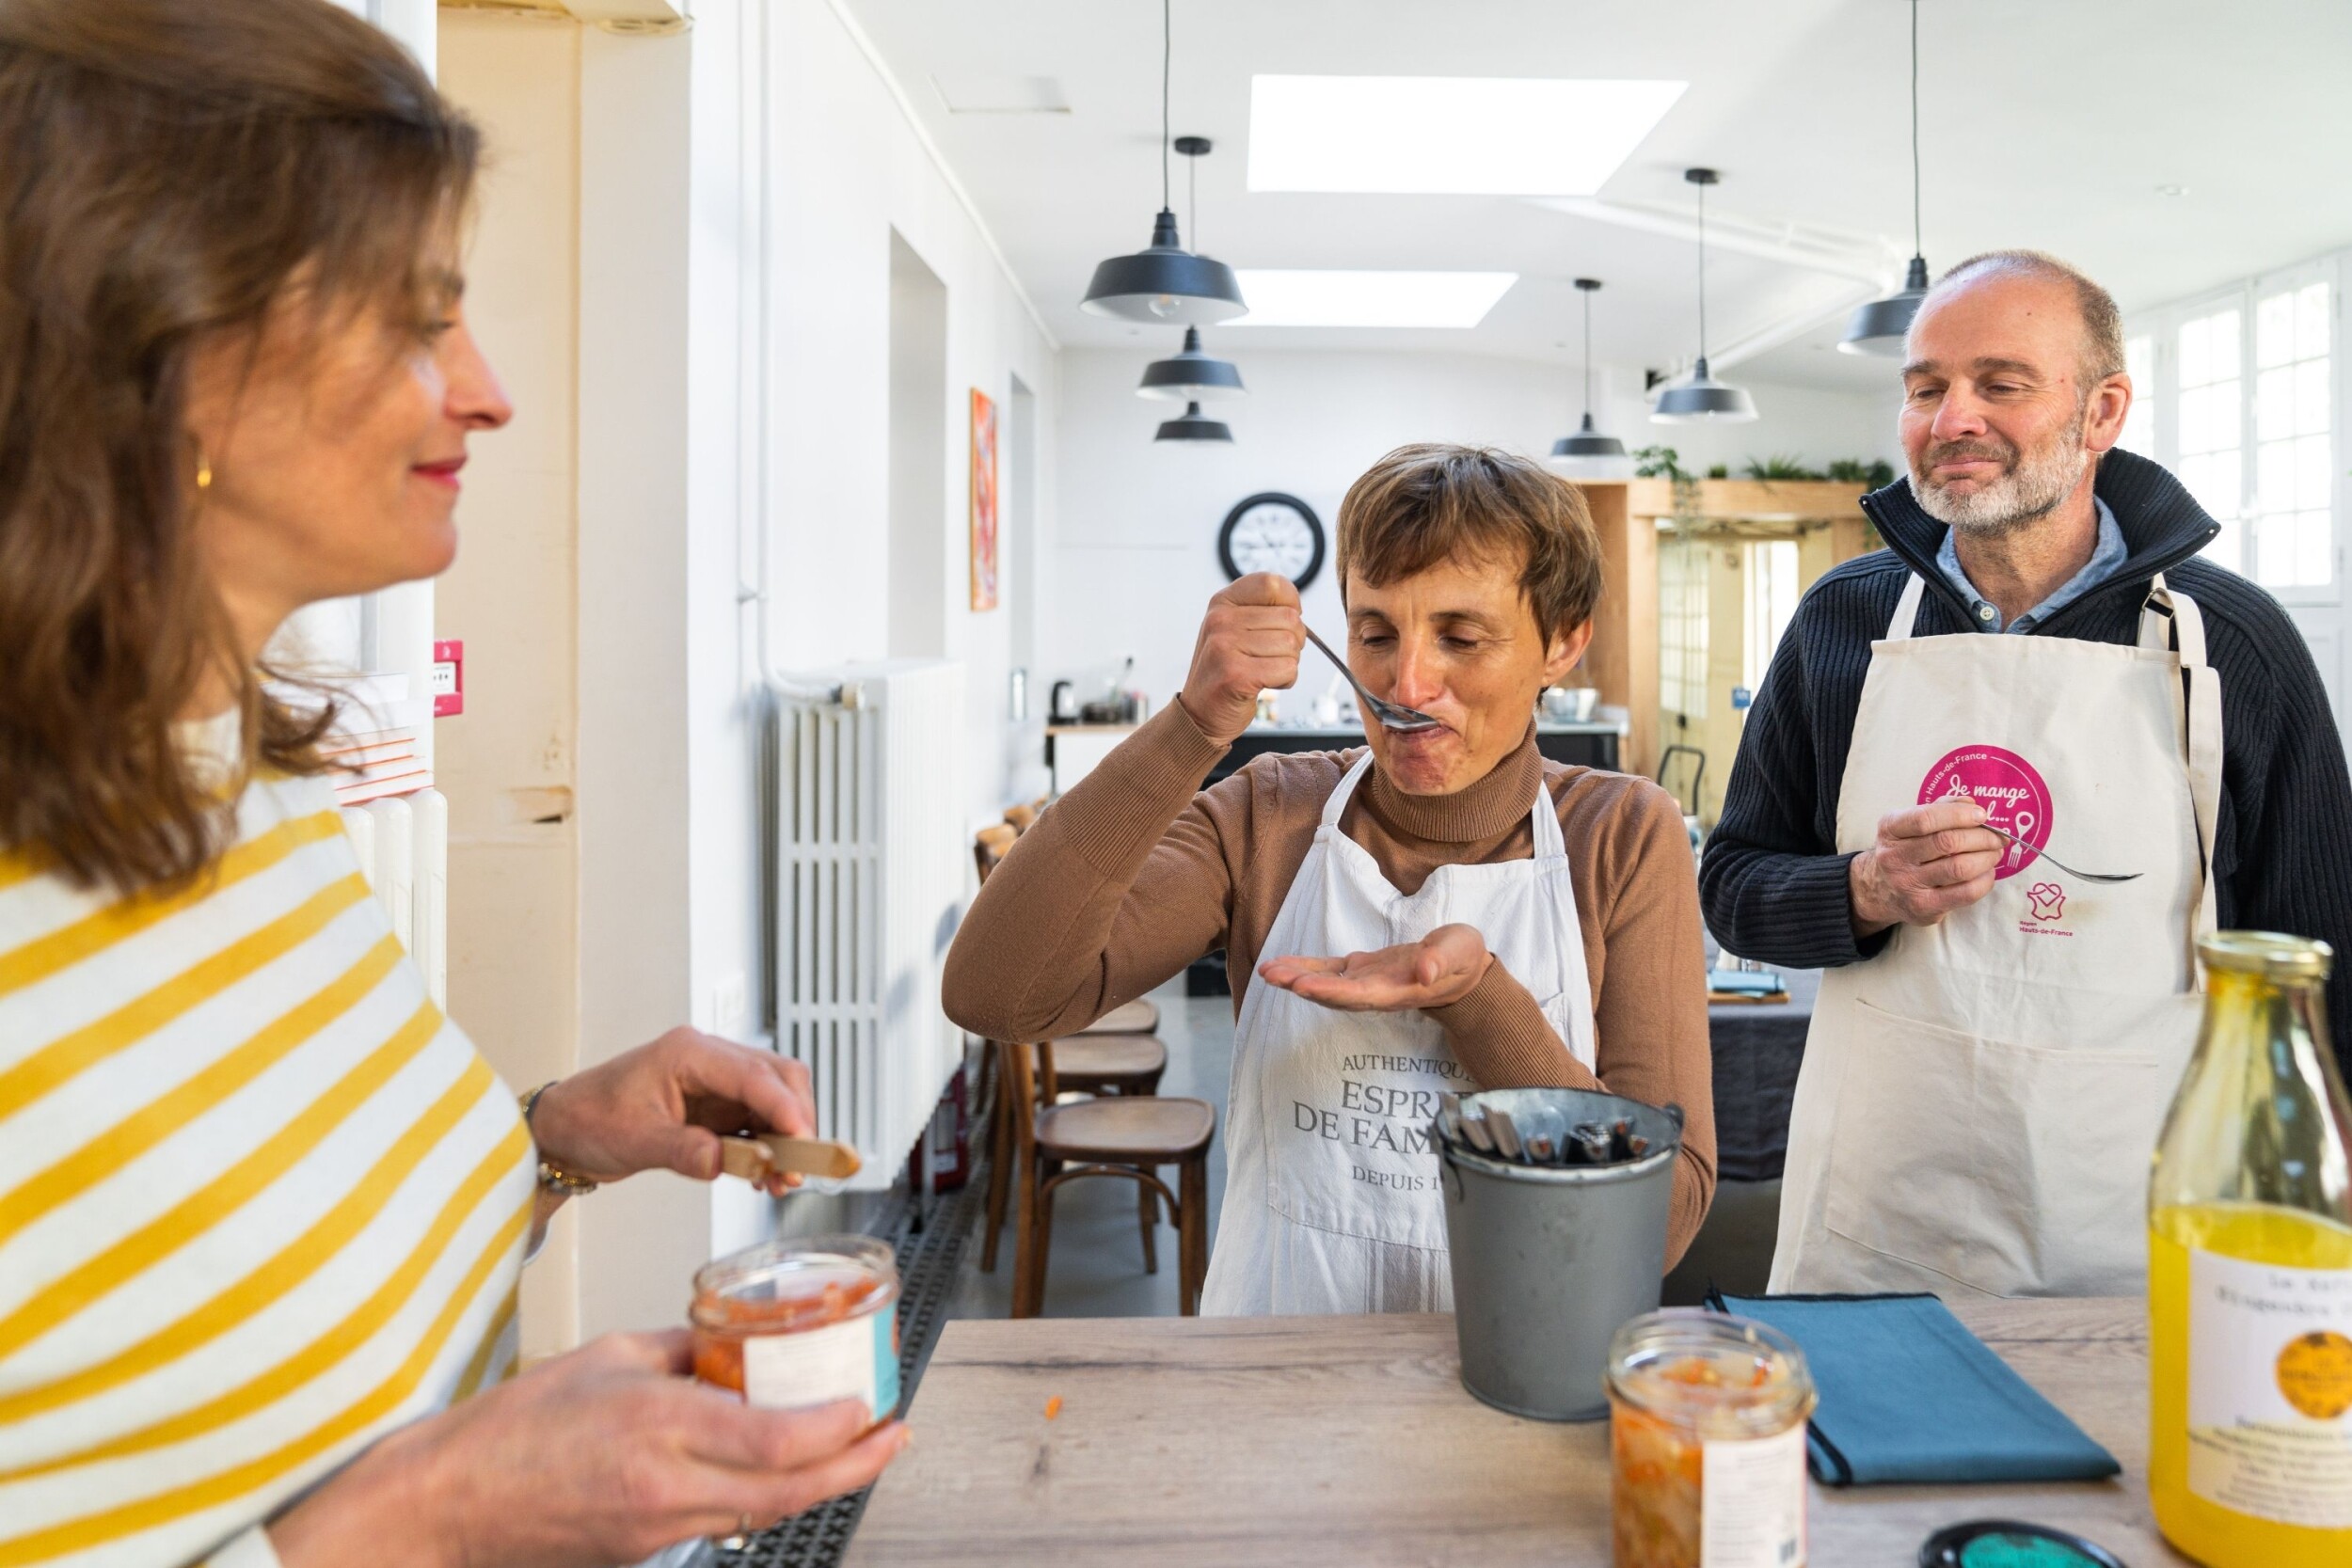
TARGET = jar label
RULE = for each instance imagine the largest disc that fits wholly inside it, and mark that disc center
(1752, 1502)
(2270, 1390)
(852, 1360)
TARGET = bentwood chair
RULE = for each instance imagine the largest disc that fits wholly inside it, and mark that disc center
(1052, 1145)
(1116, 1055)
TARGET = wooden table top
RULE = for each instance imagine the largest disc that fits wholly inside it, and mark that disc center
(1305, 1441)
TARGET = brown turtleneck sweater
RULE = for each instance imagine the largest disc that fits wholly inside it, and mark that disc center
(1136, 871)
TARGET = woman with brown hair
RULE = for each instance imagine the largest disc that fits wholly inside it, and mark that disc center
(262, 1206)
(1443, 911)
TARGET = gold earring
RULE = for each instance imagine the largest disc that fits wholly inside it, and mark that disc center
(204, 470)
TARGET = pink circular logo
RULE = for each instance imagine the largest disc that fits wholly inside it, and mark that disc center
(2012, 795)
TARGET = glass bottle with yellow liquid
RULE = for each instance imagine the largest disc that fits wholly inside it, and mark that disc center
(2249, 1273)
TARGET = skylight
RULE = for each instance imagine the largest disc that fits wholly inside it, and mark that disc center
(976, 93)
(1473, 136)
(1301, 298)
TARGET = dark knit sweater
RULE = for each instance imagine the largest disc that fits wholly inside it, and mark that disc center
(1772, 884)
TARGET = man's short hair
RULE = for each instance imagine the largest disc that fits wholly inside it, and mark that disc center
(2103, 324)
(1435, 502)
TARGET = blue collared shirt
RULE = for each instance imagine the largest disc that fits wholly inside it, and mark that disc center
(2107, 559)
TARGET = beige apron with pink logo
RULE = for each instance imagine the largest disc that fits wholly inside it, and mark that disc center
(1978, 1102)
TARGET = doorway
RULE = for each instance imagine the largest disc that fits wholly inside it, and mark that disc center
(918, 456)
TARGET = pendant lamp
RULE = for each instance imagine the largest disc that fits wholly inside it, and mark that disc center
(1880, 326)
(1194, 426)
(1588, 442)
(1703, 399)
(1164, 282)
(1191, 375)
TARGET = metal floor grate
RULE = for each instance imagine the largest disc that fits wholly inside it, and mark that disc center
(930, 1261)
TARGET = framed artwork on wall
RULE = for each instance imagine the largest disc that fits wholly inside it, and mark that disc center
(984, 501)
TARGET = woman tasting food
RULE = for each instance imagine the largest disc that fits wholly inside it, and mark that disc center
(1445, 910)
(262, 1206)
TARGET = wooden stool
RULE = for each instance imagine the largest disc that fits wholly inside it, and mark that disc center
(1129, 1136)
(1139, 1017)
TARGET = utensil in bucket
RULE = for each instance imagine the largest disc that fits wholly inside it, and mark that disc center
(1548, 1260)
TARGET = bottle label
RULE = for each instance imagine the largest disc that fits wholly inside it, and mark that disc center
(854, 1359)
(2270, 1390)
(1752, 1502)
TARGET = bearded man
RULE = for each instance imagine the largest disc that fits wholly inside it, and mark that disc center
(2037, 668)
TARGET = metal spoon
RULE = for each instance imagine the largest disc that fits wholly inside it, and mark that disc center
(1475, 1129)
(1390, 715)
(1542, 1132)
(1506, 1135)
(2085, 876)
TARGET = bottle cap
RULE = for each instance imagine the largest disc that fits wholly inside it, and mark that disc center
(2270, 954)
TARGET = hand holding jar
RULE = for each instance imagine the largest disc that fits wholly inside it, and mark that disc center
(606, 1454)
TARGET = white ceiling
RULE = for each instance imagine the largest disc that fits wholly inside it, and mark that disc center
(2049, 123)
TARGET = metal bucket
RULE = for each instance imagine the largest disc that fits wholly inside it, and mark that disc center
(1549, 1259)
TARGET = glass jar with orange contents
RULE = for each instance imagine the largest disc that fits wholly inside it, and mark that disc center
(789, 1324)
(1707, 1417)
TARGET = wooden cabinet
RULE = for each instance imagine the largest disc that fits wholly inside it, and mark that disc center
(1825, 519)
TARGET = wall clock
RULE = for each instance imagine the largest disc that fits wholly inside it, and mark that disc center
(1271, 532)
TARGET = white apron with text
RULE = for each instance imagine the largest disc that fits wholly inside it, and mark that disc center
(1978, 1102)
(1331, 1195)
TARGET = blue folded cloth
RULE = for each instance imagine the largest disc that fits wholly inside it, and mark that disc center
(1910, 1394)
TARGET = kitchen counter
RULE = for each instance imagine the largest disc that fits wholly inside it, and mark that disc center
(1590, 744)
(1074, 750)
(1289, 1441)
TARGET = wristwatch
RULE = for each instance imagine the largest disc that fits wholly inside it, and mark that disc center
(553, 1177)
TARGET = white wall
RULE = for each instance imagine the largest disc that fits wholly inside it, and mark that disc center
(1135, 557)
(507, 761)
(737, 186)
(685, 258)
(850, 172)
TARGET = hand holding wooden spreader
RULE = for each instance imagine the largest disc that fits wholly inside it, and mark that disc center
(753, 1155)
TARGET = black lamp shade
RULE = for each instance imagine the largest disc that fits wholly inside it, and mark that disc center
(1880, 326)
(1192, 426)
(1165, 282)
(1703, 400)
(1191, 376)
(1588, 442)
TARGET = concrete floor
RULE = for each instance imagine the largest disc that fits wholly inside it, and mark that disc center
(1096, 1268)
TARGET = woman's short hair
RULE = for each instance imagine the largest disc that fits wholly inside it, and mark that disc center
(175, 170)
(1434, 502)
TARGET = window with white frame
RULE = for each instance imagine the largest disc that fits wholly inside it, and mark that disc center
(2293, 534)
(1772, 595)
(2210, 419)
(2239, 401)
(1682, 628)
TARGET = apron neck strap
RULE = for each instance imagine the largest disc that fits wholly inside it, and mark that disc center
(2170, 619)
(1906, 609)
(2170, 622)
(1549, 842)
(1336, 805)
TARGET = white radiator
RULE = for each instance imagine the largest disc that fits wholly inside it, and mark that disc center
(869, 854)
(402, 845)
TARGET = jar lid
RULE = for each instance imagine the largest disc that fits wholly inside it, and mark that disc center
(1743, 1365)
(779, 1270)
(2270, 954)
